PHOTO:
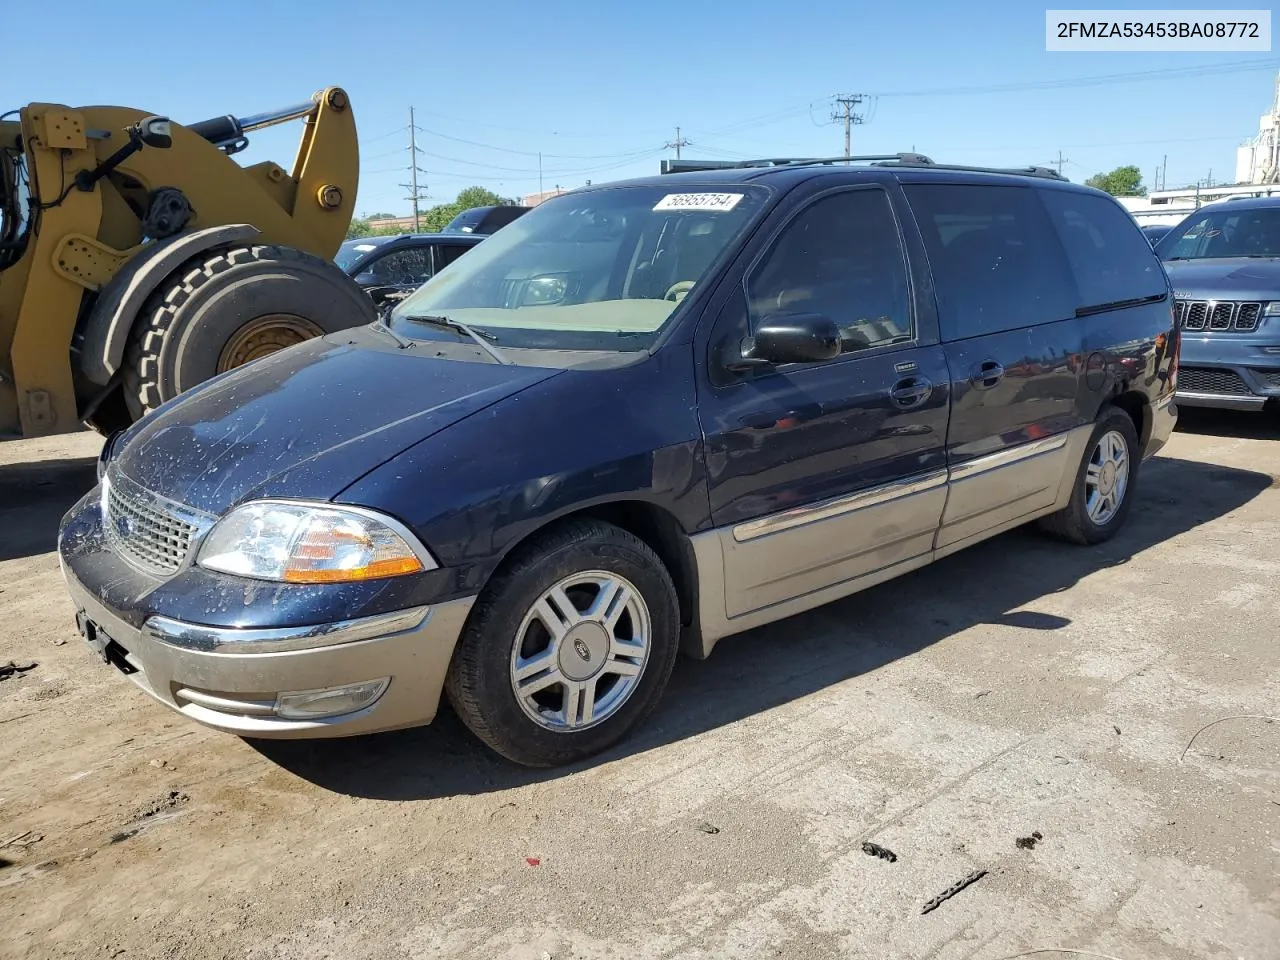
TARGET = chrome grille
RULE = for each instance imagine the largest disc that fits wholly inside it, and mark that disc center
(1217, 315)
(143, 530)
(1208, 380)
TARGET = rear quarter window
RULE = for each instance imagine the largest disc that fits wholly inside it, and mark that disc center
(996, 259)
(1111, 259)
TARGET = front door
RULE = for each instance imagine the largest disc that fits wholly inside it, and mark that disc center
(1006, 310)
(821, 473)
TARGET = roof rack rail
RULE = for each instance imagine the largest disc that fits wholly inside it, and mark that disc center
(1047, 172)
(877, 160)
(693, 166)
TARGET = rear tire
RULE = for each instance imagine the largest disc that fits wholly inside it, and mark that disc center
(231, 307)
(613, 640)
(1104, 483)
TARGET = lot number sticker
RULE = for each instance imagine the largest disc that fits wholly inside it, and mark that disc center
(719, 202)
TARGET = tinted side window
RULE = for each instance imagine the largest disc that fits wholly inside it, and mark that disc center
(840, 257)
(1111, 258)
(445, 255)
(404, 266)
(996, 259)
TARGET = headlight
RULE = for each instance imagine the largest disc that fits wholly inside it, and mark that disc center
(1272, 309)
(302, 543)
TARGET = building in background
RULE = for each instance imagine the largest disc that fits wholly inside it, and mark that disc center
(1258, 159)
(533, 199)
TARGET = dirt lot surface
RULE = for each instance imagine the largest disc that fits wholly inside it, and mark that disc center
(1022, 687)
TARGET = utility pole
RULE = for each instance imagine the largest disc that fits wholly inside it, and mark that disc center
(1060, 162)
(1164, 173)
(540, 191)
(848, 117)
(677, 143)
(412, 186)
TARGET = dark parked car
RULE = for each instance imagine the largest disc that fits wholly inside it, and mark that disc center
(1224, 261)
(644, 416)
(390, 267)
(485, 220)
(1155, 232)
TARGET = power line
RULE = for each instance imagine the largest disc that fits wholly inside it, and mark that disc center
(677, 143)
(848, 117)
(415, 195)
(383, 136)
(535, 153)
(537, 131)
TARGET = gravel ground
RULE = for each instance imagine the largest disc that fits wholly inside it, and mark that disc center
(1023, 687)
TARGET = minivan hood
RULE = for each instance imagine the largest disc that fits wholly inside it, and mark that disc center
(1234, 278)
(308, 421)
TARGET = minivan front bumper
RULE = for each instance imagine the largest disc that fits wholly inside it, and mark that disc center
(318, 669)
(391, 667)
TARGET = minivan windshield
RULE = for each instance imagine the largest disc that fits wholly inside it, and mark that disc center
(1225, 232)
(599, 270)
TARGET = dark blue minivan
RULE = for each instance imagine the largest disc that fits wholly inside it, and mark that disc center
(643, 417)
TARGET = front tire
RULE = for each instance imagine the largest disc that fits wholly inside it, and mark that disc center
(230, 308)
(1104, 483)
(569, 646)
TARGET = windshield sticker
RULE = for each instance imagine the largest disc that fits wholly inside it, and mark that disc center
(366, 247)
(719, 202)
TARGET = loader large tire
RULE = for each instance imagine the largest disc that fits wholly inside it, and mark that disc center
(228, 308)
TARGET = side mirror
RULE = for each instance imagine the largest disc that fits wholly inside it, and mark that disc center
(366, 279)
(800, 338)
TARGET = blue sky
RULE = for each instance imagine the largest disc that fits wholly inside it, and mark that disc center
(599, 87)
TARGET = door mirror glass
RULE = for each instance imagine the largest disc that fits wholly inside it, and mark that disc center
(799, 338)
(366, 279)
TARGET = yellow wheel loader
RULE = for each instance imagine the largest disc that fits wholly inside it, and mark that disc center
(138, 258)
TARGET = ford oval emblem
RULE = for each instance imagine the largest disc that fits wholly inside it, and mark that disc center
(124, 525)
(582, 650)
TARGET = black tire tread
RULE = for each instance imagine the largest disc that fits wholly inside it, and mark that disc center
(141, 373)
(463, 680)
(1069, 523)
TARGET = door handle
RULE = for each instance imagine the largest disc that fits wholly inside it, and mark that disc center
(986, 374)
(910, 392)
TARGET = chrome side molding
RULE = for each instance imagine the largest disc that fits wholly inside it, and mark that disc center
(812, 513)
(203, 639)
(1003, 458)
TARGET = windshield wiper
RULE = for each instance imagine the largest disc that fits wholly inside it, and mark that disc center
(485, 339)
(382, 327)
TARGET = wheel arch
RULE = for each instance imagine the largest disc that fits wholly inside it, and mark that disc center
(1138, 407)
(658, 527)
(106, 329)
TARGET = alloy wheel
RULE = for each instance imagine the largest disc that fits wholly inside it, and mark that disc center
(1107, 477)
(580, 651)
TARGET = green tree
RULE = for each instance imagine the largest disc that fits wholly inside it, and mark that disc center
(436, 218)
(478, 197)
(1120, 182)
(379, 216)
(359, 228)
